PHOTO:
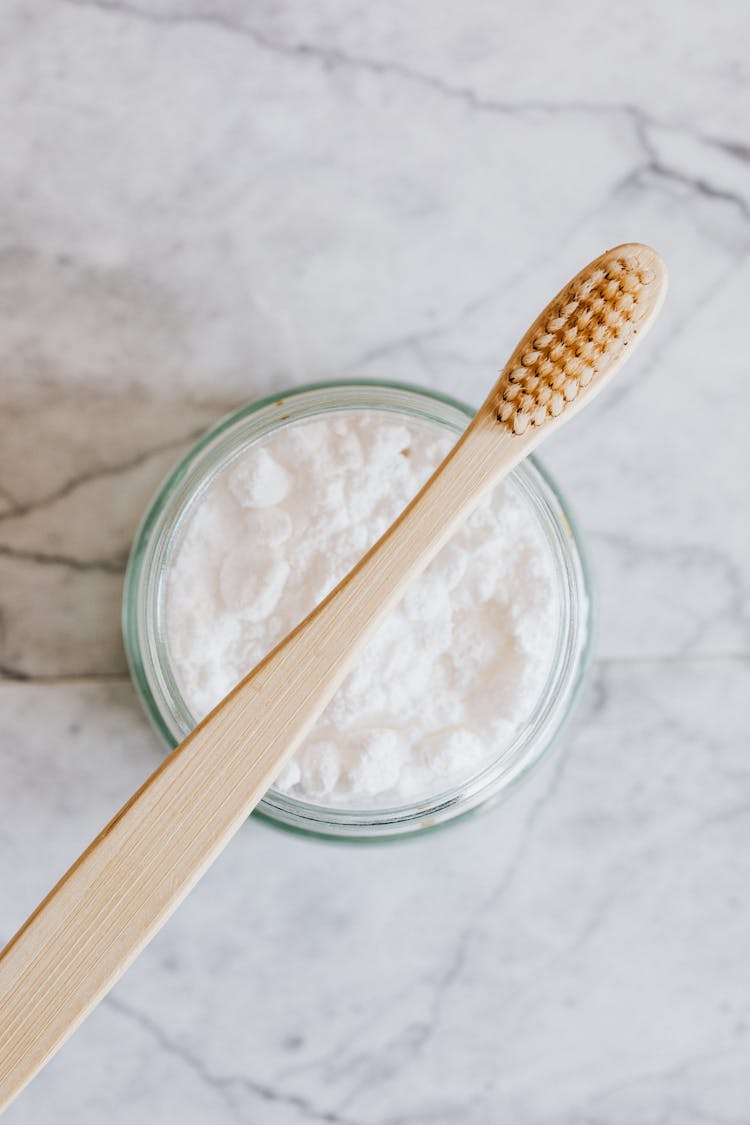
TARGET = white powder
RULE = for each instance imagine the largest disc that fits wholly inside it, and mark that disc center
(453, 672)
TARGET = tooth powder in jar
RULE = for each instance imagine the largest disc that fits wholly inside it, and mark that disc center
(454, 671)
(461, 688)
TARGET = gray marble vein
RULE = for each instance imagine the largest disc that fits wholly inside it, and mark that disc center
(203, 201)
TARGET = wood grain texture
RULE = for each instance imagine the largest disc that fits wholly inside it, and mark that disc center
(118, 894)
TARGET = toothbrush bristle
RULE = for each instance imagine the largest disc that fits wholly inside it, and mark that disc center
(579, 335)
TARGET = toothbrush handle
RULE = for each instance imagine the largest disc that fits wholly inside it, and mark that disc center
(121, 890)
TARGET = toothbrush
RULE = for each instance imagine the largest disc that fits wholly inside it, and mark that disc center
(122, 889)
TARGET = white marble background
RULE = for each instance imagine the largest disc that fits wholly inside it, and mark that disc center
(204, 200)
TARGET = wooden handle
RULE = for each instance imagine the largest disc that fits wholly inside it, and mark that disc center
(126, 884)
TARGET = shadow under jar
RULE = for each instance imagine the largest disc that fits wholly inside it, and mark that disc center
(158, 540)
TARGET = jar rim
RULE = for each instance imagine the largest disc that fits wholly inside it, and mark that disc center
(143, 611)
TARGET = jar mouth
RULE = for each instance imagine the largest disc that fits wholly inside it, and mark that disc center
(144, 626)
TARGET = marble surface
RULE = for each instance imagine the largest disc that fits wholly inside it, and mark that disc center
(206, 201)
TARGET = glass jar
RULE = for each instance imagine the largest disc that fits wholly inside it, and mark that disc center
(160, 530)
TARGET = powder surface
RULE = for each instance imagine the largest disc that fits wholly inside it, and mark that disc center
(452, 673)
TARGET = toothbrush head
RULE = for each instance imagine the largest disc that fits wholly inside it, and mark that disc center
(582, 336)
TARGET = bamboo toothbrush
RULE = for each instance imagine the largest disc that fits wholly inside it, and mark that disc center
(129, 880)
